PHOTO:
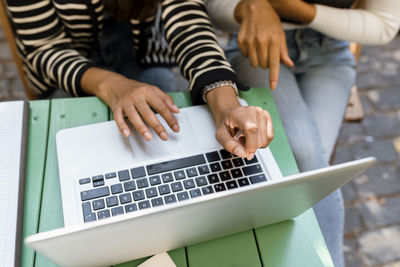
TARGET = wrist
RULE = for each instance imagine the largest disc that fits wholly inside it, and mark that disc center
(245, 7)
(307, 12)
(221, 100)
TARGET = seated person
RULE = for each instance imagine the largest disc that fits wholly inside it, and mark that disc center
(120, 50)
(313, 83)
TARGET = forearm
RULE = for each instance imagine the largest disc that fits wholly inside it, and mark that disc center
(220, 100)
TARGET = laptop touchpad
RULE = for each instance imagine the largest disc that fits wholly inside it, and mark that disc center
(184, 140)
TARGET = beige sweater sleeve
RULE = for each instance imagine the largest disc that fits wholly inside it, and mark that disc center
(377, 24)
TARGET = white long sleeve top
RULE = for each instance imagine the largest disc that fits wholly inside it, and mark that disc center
(377, 24)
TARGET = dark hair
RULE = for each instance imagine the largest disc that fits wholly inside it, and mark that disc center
(131, 9)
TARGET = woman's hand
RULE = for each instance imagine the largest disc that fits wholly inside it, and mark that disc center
(294, 10)
(133, 99)
(261, 37)
(254, 123)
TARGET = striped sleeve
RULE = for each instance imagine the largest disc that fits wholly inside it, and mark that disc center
(194, 44)
(51, 60)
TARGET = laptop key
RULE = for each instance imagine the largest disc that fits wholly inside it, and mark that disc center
(203, 169)
(95, 193)
(252, 169)
(98, 183)
(258, 178)
(116, 189)
(200, 181)
(195, 193)
(129, 186)
(225, 176)
(112, 201)
(226, 164)
(238, 162)
(84, 181)
(124, 175)
(144, 204)
(231, 184)
(253, 160)
(103, 214)
(155, 202)
(225, 154)
(191, 172)
(142, 183)
(170, 199)
(215, 167)
(179, 175)
(189, 184)
(86, 208)
(164, 189)
(138, 195)
(219, 187)
(125, 198)
(89, 217)
(243, 182)
(183, 196)
(151, 192)
(177, 186)
(130, 207)
(155, 180)
(167, 177)
(138, 172)
(175, 164)
(212, 156)
(207, 190)
(98, 204)
(117, 211)
(111, 175)
(213, 178)
(97, 178)
(236, 173)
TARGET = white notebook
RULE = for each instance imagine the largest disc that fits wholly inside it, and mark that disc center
(13, 137)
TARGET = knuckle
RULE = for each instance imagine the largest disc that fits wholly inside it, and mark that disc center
(251, 127)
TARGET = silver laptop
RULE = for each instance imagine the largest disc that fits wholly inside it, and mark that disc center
(125, 199)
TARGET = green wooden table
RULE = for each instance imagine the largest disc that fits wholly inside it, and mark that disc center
(296, 242)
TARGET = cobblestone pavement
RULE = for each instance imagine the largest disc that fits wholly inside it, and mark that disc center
(372, 227)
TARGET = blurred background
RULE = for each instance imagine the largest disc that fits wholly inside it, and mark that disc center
(372, 200)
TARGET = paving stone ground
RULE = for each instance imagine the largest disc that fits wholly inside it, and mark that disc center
(372, 200)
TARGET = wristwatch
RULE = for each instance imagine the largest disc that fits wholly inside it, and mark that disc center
(214, 85)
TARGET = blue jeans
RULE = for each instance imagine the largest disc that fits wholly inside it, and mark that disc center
(311, 99)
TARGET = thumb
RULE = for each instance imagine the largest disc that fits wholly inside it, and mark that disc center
(229, 143)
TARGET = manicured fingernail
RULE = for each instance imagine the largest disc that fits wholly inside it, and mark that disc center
(164, 136)
(240, 152)
(175, 128)
(175, 107)
(250, 156)
(148, 136)
(125, 132)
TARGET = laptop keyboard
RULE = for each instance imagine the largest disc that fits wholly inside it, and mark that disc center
(159, 184)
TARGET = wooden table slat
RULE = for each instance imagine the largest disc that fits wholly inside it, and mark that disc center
(306, 246)
(65, 113)
(35, 159)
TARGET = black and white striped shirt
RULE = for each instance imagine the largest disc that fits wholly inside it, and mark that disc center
(55, 37)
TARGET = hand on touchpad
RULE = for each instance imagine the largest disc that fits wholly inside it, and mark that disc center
(184, 140)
